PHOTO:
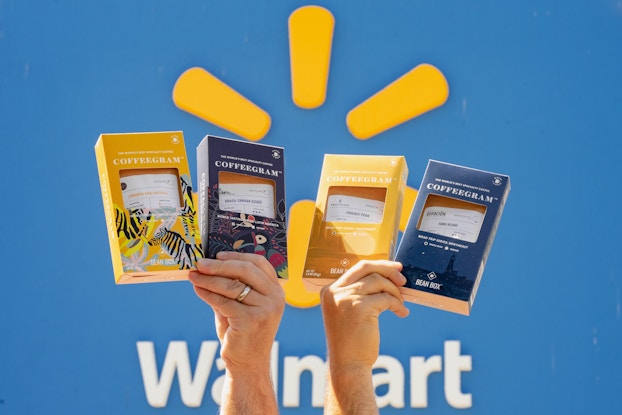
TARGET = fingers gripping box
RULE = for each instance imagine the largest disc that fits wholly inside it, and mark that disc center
(242, 199)
(449, 235)
(149, 207)
(357, 214)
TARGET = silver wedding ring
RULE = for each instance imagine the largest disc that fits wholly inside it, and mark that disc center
(243, 294)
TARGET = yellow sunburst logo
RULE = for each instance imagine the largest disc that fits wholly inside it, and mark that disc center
(311, 28)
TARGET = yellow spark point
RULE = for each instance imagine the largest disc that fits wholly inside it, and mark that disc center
(421, 89)
(310, 42)
(298, 231)
(202, 94)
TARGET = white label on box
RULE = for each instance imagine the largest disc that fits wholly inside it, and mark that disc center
(340, 208)
(455, 223)
(151, 191)
(251, 199)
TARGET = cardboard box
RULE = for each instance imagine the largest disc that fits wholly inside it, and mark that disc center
(149, 207)
(357, 214)
(449, 235)
(242, 199)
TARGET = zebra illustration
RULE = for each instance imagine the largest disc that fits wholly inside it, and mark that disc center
(173, 244)
(133, 225)
(154, 227)
(188, 215)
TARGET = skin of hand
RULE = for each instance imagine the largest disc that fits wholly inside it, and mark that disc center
(351, 307)
(246, 329)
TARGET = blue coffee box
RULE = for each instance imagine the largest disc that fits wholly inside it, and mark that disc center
(242, 199)
(449, 235)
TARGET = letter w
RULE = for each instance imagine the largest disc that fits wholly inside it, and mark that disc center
(191, 388)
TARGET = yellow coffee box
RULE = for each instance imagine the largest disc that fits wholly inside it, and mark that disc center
(149, 206)
(357, 213)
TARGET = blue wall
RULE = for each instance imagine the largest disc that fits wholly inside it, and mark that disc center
(535, 92)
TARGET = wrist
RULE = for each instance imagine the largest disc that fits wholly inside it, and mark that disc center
(350, 390)
(241, 360)
(352, 358)
(248, 379)
(260, 368)
(248, 393)
(352, 371)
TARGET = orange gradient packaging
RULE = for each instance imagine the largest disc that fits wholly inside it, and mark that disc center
(149, 207)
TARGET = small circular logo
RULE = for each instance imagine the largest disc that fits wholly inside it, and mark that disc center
(497, 181)
(276, 154)
(175, 139)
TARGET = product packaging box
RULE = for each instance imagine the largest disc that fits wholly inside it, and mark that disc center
(357, 214)
(242, 199)
(149, 207)
(449, 235)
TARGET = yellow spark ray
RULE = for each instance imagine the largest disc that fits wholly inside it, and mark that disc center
(298, 231)
(202, 94)
(421, 89)
(310, 42)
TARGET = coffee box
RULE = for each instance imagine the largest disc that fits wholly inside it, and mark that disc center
(357, 213)
(449, 235)
(242, 199)
(149, 207)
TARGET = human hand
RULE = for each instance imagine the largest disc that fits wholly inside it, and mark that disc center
(246, 328)
(351, 307)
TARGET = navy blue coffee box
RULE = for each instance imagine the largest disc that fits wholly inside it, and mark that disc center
(448, 237)
(242, 199)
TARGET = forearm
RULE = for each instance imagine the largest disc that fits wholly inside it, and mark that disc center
(350, 391)
(248, 393)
